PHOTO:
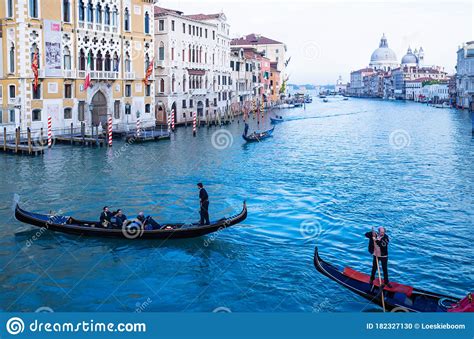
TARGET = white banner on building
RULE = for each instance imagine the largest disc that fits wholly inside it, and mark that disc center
(52, 41)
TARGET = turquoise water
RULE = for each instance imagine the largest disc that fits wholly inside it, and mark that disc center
(326, 177)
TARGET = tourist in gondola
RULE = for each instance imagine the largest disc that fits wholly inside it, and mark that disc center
(120, 218)
(378, 247)
(204, 200)
(106, 217)
(246, 129)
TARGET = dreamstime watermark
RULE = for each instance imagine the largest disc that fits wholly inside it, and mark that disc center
(15, 326)
(36, 236)
(222, 139)
(311, 51)
(399, 139)
(400, 309)
(213, 236)
(133, 230)
(44, 309)
(310, 229)
(222, 310)
(320, 306)
(141, 307)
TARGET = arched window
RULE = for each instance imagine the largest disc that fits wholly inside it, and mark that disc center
(67, 59)
(128, 65)
(116, 63)
(162, 85)
(67, 10)
(90, 12)
(114, 17)
(99, 61)
(147, 23)
(184, 83)
(161, 51)
(173, 81)
(34, 50)
(91, 58)
(98, 14)
(82, 60)
(126, 19)
(147, 62)
(108, 62)
(107, 15)
(12, 59)
(81, 10)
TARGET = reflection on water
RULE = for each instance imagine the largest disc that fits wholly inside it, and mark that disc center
(329, 174)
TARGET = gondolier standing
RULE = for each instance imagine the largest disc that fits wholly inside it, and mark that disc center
(204, 199)
(378, 247)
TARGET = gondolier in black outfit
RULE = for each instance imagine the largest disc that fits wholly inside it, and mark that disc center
(204, 199)
(106, 217)
(378, 247)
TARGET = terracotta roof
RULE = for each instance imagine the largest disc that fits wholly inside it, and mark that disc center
(254, 39)
(202, 17)
(161, 10)
(367, 69)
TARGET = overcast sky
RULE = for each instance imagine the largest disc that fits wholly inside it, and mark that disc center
(330, 38)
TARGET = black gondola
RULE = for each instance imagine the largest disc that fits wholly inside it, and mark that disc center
(276, 120)
(258, 136)
(399, 297)
(70, 225)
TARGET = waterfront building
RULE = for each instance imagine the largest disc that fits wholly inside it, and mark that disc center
(383, 58)
(358, 84)
(408, 73)
(275, 82)
(244, 77)
(274, 50)
(193, 72)
(374, 84)
(340, 87)
(465, 76)
(109, 42)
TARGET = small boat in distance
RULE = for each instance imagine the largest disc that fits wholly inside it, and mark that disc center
(398, 297)
(325, 100)
(70, 225)
(345, 98)
(276, 120)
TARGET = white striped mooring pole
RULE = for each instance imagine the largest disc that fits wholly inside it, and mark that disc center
(194, 123)
(110, 131)
(50, 131)
(138, 127)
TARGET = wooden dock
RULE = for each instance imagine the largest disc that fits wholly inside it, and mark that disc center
(23, 149)
(79, 140)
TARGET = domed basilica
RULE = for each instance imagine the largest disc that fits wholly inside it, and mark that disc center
(383, 58)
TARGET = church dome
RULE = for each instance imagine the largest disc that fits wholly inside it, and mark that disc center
(409, 58)
(383, 54)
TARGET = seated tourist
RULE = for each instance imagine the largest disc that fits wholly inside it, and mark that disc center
(120, 218)
(106, 217)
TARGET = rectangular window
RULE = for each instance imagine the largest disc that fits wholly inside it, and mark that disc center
(36, 115)
(148, 108)
(128, 90)
(1, 92)
(213, 35)
(68, 91)
(11, 92)
(37, 92)
(128, 109)
(184, 28)
(12, 115)
(148, 90)
(161, 25)
(33, 8)
(172, 53)
(68, 113)
(1, 116)
(200, 32)
(117, 109)
(191, 103)
(232, 65)
(205, 33)
(189, 29)
(172, 25)
(66, 11)
(184, 103)
(161, 53)
(81, 110)
(10, 8)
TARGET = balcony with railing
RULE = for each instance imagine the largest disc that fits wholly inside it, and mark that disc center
(129, 75)
(69, 73)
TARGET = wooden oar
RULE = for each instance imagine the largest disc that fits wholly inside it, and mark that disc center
(378, 270)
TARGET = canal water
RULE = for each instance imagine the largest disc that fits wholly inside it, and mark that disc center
(329, 174)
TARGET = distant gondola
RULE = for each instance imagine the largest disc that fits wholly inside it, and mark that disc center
(258, 136)
(276, 120)
(64, 224)
(399, 297)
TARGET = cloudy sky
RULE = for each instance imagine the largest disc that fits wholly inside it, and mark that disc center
(330, 38)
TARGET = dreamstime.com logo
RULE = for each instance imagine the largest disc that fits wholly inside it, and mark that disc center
(15, 326)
